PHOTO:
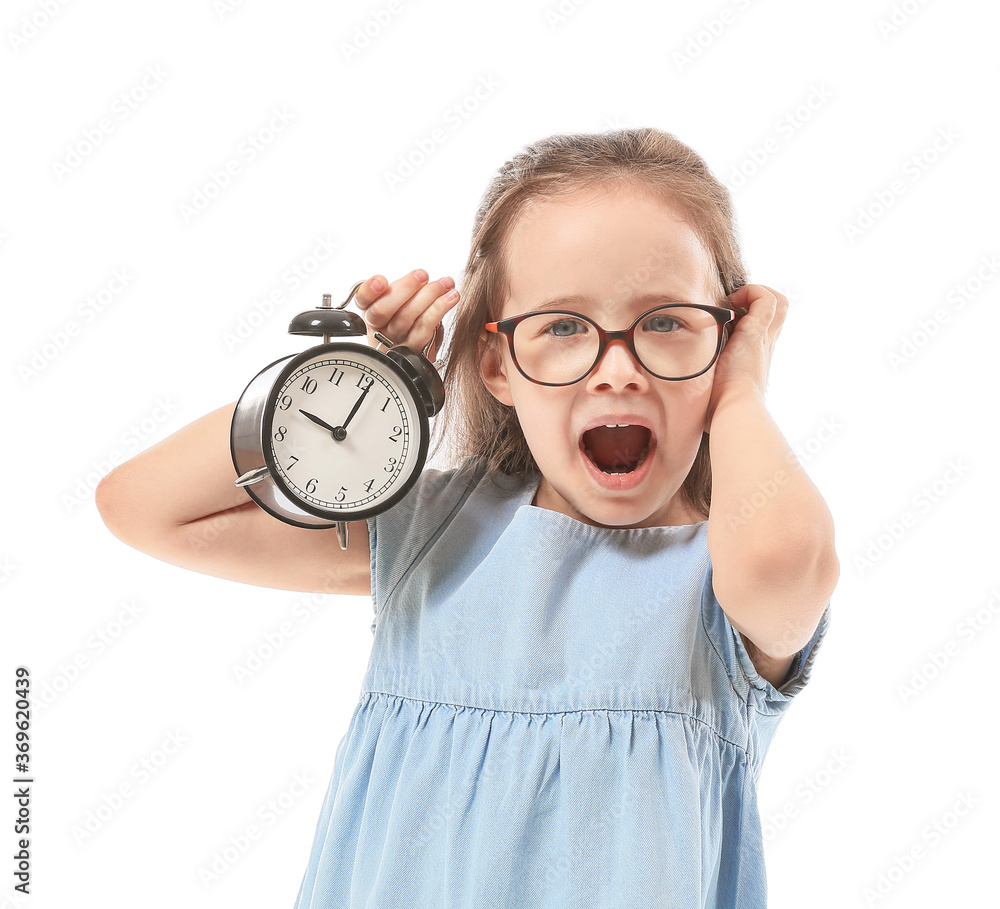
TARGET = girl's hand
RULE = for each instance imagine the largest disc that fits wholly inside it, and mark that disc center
(408, 311)
(743, 365)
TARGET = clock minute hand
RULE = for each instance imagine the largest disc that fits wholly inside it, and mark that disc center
(357, 404)
(317, 420)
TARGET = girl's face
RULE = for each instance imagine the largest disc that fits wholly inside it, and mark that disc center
(618, 255)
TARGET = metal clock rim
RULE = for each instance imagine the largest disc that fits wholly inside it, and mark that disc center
(262, 503)
(351, 347)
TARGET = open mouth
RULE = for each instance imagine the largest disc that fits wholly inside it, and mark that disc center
(616, 449)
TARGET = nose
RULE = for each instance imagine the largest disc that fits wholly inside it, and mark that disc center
(618, 368)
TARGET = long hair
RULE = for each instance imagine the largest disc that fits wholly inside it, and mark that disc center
(473, 422)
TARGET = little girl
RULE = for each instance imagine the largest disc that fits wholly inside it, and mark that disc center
(586, 630)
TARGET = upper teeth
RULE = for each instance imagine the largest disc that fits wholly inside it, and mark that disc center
(614, 425)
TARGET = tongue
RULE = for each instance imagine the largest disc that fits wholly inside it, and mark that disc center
(616, 447)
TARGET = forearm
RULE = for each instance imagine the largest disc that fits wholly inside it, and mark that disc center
(184, 477)
(766, 513)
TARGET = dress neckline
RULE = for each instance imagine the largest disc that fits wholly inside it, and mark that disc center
(524, 505)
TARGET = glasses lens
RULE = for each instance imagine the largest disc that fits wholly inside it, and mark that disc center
(555, 347)
(672, 342)
(677, 342)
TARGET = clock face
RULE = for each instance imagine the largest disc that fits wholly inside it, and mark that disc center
(344, 433)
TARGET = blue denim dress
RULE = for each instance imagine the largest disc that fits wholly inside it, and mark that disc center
(554, 715)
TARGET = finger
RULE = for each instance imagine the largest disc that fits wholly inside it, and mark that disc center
(422, 330)
(414, 321)
(430, 324)
(370, 290)
(780, 299)
(749, 294)
(780, 312)
(383, 310)
(391, 296)
(762, 302)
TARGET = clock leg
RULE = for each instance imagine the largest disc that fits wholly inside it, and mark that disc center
(342, 533)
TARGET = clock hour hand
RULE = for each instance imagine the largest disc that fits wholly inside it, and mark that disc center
(316, 419)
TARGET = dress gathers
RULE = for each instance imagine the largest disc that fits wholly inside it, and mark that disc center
(554, 715)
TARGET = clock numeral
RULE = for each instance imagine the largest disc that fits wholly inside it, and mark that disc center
(295, 461)
(340, 495)
(396, 432)
(286, 402)
(369, 484)
(309, 385)
(389, 467)
(384, 406)
(279, 436)
(365, 381)
(311, 485)
(336, 376)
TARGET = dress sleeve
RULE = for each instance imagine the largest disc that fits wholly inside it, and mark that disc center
(397, 536)
(743, 675)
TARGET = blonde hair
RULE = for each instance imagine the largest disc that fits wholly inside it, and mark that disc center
(473, 422)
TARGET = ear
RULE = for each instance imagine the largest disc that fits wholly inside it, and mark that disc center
(493, 370)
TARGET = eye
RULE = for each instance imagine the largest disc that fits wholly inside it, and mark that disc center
(565, 328)
(665, 324)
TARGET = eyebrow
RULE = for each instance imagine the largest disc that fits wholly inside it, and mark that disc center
(561, 302)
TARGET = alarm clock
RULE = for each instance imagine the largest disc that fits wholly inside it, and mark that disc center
(338, 432)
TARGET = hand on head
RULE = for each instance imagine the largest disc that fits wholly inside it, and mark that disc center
(745, 361)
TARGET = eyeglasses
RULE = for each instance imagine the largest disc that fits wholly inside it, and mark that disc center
(676, 341)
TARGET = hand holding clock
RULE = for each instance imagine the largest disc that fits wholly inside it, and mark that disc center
(410, 310)
(303, 480)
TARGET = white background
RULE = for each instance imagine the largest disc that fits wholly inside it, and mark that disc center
(858, 770)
